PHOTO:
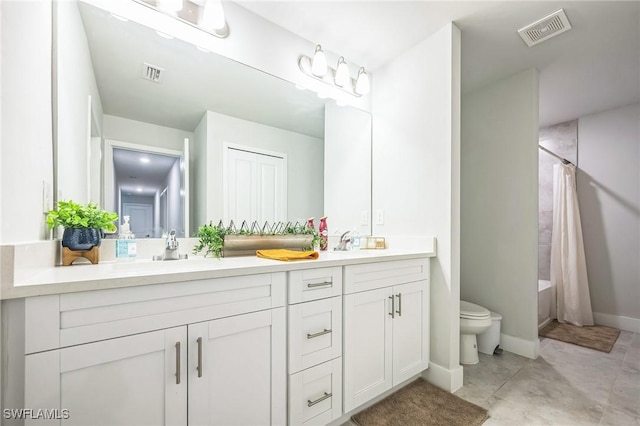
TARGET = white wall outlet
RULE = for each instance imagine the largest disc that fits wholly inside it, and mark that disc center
(364, 218)
(379, 217)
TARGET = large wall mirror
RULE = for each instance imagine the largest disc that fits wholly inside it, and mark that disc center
(176, 137)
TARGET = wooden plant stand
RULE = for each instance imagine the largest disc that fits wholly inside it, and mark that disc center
(69, 256)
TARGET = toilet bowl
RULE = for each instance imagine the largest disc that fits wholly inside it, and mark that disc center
(474, 319)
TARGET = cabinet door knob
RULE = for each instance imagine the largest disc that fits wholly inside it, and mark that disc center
(322, 398)
(177, 363)
(393, 307)
(199, 367)
(399, 311)
(318, 334)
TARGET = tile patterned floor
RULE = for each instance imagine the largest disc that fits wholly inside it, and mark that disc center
(566, 386)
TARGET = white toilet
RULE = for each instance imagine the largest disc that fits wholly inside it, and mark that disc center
(474, 319)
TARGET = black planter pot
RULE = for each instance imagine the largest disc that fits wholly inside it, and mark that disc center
(81, 239)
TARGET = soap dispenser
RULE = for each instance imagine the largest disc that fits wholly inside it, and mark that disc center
(126, 248)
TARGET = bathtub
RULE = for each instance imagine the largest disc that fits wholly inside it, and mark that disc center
(546, 302)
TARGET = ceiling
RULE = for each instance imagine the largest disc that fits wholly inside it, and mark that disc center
(141, 173)
(194, 81)
(593, 67)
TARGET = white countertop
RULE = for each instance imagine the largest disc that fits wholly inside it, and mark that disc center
(84, 277)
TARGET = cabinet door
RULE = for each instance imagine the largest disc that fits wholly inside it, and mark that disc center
(410, 330)
(139, 379)
(367, 346)
(237, 370)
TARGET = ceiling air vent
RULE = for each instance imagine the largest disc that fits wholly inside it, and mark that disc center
(545, 28)
(152, 72)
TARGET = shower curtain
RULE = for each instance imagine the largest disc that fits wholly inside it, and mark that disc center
(568, 264)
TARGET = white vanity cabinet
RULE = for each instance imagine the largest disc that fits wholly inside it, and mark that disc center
(315, 346)
(386, 327)
(208, 352)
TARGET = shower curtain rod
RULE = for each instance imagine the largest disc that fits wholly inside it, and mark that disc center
(564, 160)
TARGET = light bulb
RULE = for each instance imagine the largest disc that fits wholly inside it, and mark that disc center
(319, 63)
(212, 15)
(362, 84)
(170, 6)
(342, 73)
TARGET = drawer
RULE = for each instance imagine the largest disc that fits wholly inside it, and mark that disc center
(313, 284)
(371, 276)
(75, 318)
(315, 333)
(315, 395)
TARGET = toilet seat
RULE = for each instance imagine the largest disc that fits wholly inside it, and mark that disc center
(470, 310)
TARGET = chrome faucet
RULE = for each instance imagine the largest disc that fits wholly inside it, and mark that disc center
(345, 239)
(171, 247)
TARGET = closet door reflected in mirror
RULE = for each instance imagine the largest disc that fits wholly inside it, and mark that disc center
(255, 185)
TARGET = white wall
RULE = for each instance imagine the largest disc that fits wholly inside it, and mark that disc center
(416, 175)
(609, 196)
(199, 177)
(499, 203)
(176, 201)
(26, 138)
(305, 163)
(139, 132)
(75, 83)
(347, 174)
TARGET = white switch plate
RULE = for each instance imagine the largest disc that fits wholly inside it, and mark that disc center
(364, 218)
(379, 217)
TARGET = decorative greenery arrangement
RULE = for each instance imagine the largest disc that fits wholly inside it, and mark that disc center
(73, 215)
(211, 238)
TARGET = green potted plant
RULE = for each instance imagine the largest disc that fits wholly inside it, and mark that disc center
(83, 224)
(210, 239)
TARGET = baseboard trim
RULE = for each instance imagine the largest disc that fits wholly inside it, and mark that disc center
(518, 346)
(444, 378)
(617, 321)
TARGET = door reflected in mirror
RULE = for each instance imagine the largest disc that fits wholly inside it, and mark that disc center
(148, 185)
(207, 98)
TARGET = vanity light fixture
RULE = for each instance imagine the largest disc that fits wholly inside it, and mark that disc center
(362, 83)
(319, 63)
(342, 73)
(212, 16)
(339, 78)
(206, 15)
(169, 6)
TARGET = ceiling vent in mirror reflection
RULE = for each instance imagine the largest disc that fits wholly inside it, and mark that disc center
(152, 72)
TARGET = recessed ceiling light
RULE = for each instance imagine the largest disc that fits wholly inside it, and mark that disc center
(144, 160)
(139, 189)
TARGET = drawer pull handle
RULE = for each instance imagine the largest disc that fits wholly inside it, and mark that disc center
(199, 367)
(177, 363)
(322, 398)
(393, 307)
(399, 311)
(318, 334)
(322, 284)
